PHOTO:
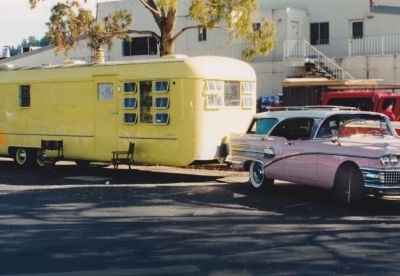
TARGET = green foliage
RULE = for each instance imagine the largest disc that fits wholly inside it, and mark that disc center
(239, 18)
(262, 41)
(69, 21)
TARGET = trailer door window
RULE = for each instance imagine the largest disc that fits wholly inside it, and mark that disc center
(105, 91)
(25, 96)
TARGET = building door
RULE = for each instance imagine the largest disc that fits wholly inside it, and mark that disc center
(106, 116)
(293, 33)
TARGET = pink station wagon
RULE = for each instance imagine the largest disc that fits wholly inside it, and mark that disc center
(350, 152)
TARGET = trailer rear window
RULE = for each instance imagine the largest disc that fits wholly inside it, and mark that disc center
(24, 95)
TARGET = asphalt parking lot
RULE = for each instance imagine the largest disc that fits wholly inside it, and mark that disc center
(164, 221)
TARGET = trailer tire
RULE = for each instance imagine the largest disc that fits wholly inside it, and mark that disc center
(21, 157)
(82, 163)
(39, 161)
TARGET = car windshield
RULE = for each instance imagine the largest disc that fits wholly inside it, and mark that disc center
(360, 125)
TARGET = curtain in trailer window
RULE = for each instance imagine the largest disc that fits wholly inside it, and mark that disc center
(146, 102)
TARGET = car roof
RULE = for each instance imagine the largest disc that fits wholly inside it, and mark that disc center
(282, 113)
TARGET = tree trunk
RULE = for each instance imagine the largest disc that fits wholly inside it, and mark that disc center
(167, 45)
(167, 27)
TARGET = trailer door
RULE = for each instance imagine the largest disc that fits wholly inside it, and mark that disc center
(106, 116)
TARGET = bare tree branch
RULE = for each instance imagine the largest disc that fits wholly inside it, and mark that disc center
(195, 27)
(153, 34)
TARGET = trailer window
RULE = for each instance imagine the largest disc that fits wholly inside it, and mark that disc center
(248, 87)
(161, 103)
(130, 87)
(213, 93)
(162, 118)
(232, 93)
(130, 118)
(105, 91)
(161, 86)
(24, 95)
(247, 102)
(130, 103)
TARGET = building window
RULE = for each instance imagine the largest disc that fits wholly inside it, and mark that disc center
(256, 27)
(202, 34)
(319, 33)
(358, 29)
(24, 95)
(139, 46)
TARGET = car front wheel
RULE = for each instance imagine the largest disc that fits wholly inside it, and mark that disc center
(348, 188)
(257, 176)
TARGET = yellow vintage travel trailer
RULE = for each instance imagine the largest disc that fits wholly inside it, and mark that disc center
(177, 110)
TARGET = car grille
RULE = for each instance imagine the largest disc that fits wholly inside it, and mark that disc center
(390, 177)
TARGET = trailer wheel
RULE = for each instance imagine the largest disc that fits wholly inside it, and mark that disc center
(257, 176)
(39, 161)
(21, 157)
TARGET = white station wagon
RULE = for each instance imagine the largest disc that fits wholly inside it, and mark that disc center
(351, 152)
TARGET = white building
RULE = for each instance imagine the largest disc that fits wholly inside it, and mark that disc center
(347, 39)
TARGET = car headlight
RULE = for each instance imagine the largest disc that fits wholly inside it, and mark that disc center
(389, 160)
(269, 152)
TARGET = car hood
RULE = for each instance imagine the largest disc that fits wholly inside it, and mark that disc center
(379, 145)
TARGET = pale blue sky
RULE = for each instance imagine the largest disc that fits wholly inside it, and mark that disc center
(18, 21)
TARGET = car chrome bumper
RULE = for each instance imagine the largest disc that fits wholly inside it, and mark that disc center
(383, 180)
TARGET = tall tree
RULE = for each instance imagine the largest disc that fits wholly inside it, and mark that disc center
(69, 21)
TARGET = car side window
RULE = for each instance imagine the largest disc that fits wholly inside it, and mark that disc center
(328, 129)
(261, 126)
(294, 129)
